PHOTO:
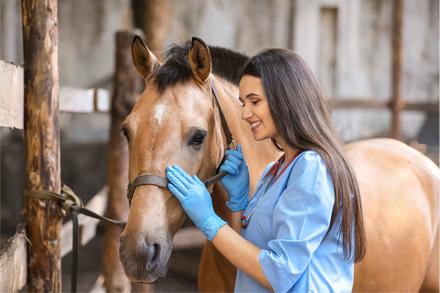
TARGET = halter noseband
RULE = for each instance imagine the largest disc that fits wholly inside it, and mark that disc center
(160, 181)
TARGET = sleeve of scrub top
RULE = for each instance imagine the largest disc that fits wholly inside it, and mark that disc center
(300, 221)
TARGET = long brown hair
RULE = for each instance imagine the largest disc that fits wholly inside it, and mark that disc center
(301, 116)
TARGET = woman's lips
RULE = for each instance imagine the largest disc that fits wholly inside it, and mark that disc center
(254, 125)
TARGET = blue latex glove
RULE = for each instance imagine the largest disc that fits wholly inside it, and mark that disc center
(236, 183)
(195, 200)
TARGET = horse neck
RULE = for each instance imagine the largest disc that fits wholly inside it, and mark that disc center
(257, 153)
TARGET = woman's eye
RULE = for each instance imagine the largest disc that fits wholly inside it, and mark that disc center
(255, 102)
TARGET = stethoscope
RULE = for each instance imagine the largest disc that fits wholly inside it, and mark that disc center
(274, 175)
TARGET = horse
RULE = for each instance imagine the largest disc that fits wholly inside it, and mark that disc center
(176, 121)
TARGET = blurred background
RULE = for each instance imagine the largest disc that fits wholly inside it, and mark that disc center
(347, 43)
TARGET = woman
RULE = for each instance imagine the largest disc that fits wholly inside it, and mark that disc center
(302, 229)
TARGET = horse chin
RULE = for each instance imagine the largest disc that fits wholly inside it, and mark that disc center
(152, 278)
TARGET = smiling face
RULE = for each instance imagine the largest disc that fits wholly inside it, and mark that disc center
(256, 109)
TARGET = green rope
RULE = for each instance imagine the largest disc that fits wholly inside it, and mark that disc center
(73, 203)
(67, 197)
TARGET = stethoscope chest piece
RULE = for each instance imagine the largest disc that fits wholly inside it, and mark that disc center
(244, 221)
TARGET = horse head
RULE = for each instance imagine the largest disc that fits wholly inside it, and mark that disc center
(174, 121)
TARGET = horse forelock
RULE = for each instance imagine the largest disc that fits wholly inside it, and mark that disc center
(226, 63)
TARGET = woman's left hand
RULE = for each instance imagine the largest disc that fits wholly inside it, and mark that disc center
(195, 200)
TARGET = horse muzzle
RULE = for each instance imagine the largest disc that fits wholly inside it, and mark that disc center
(144, 261)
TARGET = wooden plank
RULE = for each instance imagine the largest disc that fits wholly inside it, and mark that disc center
(87, 225)
(429, 107)
(11, 95)
(13, 265)
(357, 103)
(378, 104)
(101, 100)
(76, 100)
(72, 100)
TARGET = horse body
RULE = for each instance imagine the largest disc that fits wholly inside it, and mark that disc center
(400, 192)
(399, 186)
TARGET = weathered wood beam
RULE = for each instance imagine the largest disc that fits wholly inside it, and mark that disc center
(396, 74)
(13, 263)
(127, 87)
(42, 149)
(152, 17)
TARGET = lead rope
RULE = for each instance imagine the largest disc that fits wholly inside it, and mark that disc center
(71, 202)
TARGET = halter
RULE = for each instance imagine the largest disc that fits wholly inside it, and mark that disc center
(160, 181)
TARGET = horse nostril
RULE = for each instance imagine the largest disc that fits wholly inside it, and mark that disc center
(152, 254)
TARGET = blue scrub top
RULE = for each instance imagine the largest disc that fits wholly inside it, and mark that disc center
(289, 224)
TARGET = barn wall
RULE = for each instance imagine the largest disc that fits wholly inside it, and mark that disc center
(347, 43)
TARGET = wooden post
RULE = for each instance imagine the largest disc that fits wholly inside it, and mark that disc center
(42, 150)
(127, 87)
(152, 16)
(396, 104)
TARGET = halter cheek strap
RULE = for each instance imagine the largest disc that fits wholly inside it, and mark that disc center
(225, 126)
(160, 181)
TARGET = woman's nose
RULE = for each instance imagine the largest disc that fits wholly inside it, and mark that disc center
(245, 113)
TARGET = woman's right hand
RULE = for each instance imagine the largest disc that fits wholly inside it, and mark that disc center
(236, 182)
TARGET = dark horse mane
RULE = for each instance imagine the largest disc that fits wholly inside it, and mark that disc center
(176, 69)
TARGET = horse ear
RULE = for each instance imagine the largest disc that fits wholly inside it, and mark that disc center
(144, 61)
(200, 60)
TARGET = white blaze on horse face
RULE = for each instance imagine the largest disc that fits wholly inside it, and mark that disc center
(159, 113)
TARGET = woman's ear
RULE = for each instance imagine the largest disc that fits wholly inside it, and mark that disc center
(144, 61)
(200, 60)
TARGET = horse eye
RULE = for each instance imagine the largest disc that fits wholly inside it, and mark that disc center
(124, 131)
(196, 140)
